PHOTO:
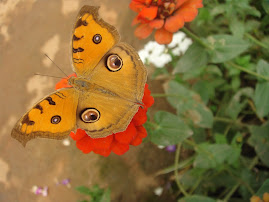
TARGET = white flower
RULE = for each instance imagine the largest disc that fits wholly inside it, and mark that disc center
(66, 142)
(177, 39)
(155, 53)
(161, 146)
(158, 191)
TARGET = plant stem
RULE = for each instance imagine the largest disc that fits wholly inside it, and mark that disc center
(165, 95)
(235, 187)
(152, 125)
(247, 71)
(227, 120)
(195, 38)
(172, 168)
(180, 186)
(256, 41)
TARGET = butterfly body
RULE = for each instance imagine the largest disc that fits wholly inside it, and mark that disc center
(105, 95)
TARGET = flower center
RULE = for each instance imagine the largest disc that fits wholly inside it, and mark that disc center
(165, 7)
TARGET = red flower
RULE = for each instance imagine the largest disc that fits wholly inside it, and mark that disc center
(166, 16)
(119, 142)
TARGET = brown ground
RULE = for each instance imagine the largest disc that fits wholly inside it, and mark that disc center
(28, 29)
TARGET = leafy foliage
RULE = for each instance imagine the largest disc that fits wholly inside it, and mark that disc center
(219, 90)
(96, 193)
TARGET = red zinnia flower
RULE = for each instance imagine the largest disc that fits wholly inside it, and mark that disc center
(119, 142)
(166, 16)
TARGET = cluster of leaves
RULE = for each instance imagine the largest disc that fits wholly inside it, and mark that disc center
(95, 194)
(220, 92)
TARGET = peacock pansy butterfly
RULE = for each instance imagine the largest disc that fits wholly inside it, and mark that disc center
(105, 95)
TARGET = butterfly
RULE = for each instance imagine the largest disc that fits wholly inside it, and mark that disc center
(105, 95)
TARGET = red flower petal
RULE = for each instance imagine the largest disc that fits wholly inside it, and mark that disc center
(103, 152)
(147, 99)
(137, 141)
(148, 13)
(126, 136)
(136, 6)
(174, 23)
(119, 148)
(102, 143)
(188, 13)
(141, 131)
(64, 82)
(162, 36)
(143, 31)
(78, 135)
(193, 4)
(140, 117)
(156, 23)
(85, 144)
(180, 2)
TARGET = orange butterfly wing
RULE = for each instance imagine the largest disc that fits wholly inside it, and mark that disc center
(92, 38)
(53, 117)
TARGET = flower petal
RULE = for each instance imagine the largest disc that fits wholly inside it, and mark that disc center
(188, 13)
(174, 23)
(64, 82)
(103, 152)
(148, 100)
(162, 36)
(78, 135)
(85, 144)
(141, 131)
(102, 143)
(136, 6)
(156, 23)
(119, 148)
(193, 4)
(180, 2)
(126, 136)
(140, 117)
(143, 31)
(148, 13)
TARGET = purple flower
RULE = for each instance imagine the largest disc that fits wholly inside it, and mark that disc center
(171, 148)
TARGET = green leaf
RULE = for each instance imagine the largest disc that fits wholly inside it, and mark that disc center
(197, 198)
(205, 89)
(226, 47)
(84, 190)
(170, 130)
(265, 4)
(259, 139)
(264, 188)
(214, 155)
(236, 104)
(189, 105)
(195, 57)
(237, 28)
(106, 196)
(261, 96)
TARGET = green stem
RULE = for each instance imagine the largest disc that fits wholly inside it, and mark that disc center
(172, 168)
(231, 121)
(165, 95)
(152, 125)
(195, 38)
(180, 186)
(235, 187)
(256, 41)
(247, 71)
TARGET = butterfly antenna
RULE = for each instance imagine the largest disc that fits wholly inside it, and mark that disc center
(56, 65)
(48, 75)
